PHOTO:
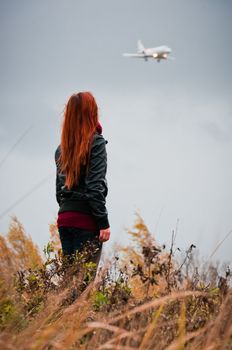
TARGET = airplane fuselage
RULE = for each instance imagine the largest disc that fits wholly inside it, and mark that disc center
(158, 53)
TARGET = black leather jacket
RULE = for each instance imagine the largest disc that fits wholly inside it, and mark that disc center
(89, 196)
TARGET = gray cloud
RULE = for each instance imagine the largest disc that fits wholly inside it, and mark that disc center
(168, 124)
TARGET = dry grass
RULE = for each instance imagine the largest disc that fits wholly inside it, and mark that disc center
(145, 299)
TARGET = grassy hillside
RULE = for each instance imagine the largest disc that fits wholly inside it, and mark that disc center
(145, 297)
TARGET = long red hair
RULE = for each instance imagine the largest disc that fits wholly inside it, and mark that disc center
(79, 125)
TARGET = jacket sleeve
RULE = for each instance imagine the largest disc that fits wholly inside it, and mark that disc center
(58, 188)
(96, 183)
(58, 180)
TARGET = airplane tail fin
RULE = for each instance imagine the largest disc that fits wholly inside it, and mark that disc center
(140, 46)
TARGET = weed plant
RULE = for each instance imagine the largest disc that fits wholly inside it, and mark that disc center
(145, 298)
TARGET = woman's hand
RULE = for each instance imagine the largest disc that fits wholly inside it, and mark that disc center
(104, 235)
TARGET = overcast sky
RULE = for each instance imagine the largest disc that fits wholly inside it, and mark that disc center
(168, 124)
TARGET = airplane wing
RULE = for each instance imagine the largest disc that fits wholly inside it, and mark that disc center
(138, 55)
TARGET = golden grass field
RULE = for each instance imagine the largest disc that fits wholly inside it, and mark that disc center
(144, 297)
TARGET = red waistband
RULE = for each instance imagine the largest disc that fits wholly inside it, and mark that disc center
(77, 219)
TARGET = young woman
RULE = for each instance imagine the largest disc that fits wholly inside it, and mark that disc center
(81, 186)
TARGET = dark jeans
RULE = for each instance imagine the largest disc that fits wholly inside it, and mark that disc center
(73, 239)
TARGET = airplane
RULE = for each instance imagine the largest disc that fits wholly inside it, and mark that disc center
(158, 53)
